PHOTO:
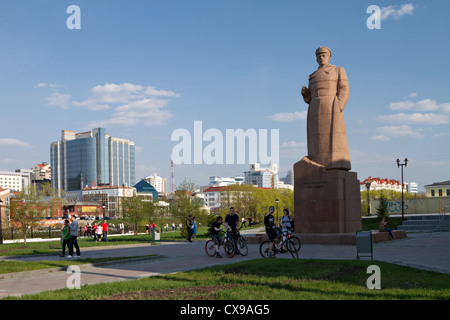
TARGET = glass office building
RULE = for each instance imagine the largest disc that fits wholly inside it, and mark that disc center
(91, 158)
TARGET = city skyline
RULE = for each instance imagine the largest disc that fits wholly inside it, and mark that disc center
(143, 69)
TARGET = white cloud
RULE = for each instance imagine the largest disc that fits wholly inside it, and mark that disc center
(288, 116)
(381, 138)
(91, 104)
(427, 105)
(293, 150)
(403, 105)
(442, 134)
(396, 12)
(132, 104)
(398, 131)
(423, 105)
(59, 100)
(12, 142)
(47, 85)
(146, 112)
(104, 95)
(445, 107)
(416, 118)
(293, 144)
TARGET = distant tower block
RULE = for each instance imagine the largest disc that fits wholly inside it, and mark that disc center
(172, 187)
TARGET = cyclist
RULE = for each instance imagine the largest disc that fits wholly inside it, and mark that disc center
(232, 220)
(216, 227)
(271, 230)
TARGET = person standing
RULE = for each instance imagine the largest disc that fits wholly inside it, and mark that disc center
(105, 231)
(94, 230)
(286, 222)
(232, 220)
(269, 222)
(194, 228)
(189, 224)
(65, 237)
(243, 223)
(73, 227)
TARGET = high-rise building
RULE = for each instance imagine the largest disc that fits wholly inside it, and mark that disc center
(17, 181)
(225, 181)
(159, 183)
(289, 177)
(413, 188)
(41, 171)
(263, 178)
(91, 158)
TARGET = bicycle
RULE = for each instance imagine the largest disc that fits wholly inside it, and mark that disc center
(224, 241)
(291, 244)
(239, 242)
(295, 240)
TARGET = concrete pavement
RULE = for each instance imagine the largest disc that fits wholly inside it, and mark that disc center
(429, 251)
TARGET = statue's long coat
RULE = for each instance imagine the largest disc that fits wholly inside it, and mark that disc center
(327, 138)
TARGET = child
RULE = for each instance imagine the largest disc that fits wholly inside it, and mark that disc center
(99, 232)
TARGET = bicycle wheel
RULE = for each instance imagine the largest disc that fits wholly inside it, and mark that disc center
(296, 242)
(264, 249)
(210, 248)
(229, 248)
(292, 249)
(241, 245)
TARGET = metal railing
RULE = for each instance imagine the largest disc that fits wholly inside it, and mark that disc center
(50, 233)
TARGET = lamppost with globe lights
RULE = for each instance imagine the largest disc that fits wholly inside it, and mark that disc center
(277, 211)
(368, 197)
(398, 166)
(1, 234)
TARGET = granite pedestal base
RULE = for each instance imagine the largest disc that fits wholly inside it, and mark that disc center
(326, 201)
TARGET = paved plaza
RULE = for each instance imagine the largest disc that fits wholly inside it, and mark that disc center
(429, 251)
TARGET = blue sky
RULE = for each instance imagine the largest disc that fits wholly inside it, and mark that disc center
(142, 69)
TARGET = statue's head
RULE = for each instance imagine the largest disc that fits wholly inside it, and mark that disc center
(323, 49)
(323, 55)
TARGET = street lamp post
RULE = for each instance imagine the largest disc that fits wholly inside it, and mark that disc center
(104, 207)
(368, 197)
(1, 234)
(398, 166)
(277, 211)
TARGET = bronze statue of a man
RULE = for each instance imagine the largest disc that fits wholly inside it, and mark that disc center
(327, 94)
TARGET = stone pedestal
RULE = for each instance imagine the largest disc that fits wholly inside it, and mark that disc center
(326, 201)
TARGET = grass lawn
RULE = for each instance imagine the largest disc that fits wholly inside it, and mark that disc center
(372, 223)
(264, 279)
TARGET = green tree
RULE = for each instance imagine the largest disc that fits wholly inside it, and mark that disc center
(138, 210)
(26, 210)
(252, 202)
(382, 209)
(187, 185)
(184, 204)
